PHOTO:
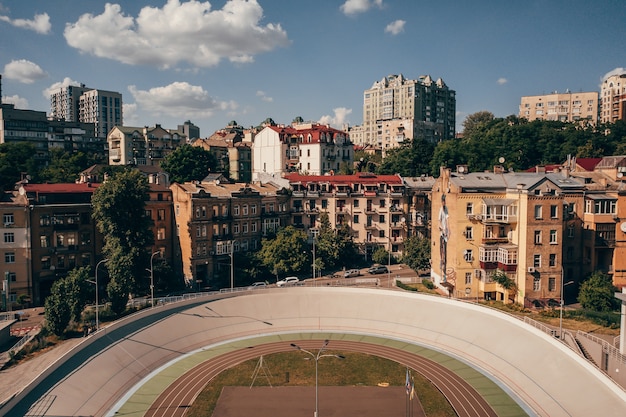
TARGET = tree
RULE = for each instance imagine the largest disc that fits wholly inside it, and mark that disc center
(65, 166)
(409, 160)
(287, 253)
(119, 212)
(476, 121)
(189, 163)
(598, 293)
(508, 284)
(57, 310)
(79, 291)
(416, 252)
(15, 159)
(381, 256)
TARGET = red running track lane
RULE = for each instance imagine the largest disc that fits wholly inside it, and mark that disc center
(178, 397)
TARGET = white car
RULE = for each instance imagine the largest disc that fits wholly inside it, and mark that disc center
(285, 282)
(257, 285)
(351, 273)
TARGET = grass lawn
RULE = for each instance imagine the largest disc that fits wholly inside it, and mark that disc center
(292, 369)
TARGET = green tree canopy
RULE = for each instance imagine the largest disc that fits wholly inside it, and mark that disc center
(416, 253)
(65, 166)
(334, 248)
(287, 253)
(598, 293)
(409, 160)
(58, 307)
(189, 163)
(15, 159)
(119, 212)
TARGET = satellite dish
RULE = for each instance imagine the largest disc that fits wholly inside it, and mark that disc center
(461, 169)
(501, 159)
(217, 182)
(623, 227)
(620, 174)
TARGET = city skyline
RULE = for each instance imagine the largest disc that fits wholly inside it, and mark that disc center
(249, 60)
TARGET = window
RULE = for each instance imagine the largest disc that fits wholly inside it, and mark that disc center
(244, 228)
(552, 261)
(161, 233)
(253, 227)
(9, 237)
(537, 261)
(236, 210)
(538, 213)
(381, 233)
(381, 218)
(161, 214)
(536, 283)
(204, 230)
(570, 230)
(324, 204)
(553, 237)
(252, 208)
(469, 208)
(554, 212)
(469, 233)
(537, 237)
(198, 231)
(44, 241)
(355, 204)
(9, 257)
(236, 228)
(468, 278)
(382, 204)
(355, 219)
(245, 209)
(468, 255)
(8, 219)
(197, 212)
(177, 210)
(551, 284)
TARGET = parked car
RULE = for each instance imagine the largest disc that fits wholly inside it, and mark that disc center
(285, 282)
(257, 285)
(378, 269)
(351, 273)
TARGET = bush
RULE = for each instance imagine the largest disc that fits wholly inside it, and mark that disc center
(428, 283)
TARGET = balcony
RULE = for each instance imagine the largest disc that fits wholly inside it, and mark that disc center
(370, 210)
(299, 193)
(223, 236)
(371, 226)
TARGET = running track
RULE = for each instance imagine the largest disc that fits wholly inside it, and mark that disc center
(178, 397)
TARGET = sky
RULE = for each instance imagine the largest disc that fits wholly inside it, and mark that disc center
(213, 62)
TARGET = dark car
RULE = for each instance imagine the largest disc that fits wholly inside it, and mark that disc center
(378, 269)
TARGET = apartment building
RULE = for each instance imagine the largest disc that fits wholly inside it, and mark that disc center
(15, 230)
(233, 155)
(375, 207)
(217, 220)
(82, 104)
(142, 145)
(513, 223)
(429, 104)
(309, 148)
(562, 107)
(613, 97)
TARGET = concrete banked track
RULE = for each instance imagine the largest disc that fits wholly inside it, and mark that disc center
(128, 367)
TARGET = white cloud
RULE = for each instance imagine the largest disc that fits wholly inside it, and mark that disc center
(352, 7)
(264, 96)
(177, 33)
(56, 86)
(179, 99)
(20, 103)
(24, 71)
(40, 23)
(338, 119)
(616, 71)
(395, 27)
(129, 113)
(502, 81)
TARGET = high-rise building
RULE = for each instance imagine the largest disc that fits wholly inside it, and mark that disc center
(430, 104)
(562, 107)
(82, 104)
(613, 96)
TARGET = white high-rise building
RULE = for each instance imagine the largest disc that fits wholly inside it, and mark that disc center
(613, 96)
(87, 105)
(429, 104)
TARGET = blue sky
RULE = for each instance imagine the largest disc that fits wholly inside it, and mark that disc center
(213, 62)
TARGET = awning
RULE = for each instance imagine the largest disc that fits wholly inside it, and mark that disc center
(498, 201)
(600, 197)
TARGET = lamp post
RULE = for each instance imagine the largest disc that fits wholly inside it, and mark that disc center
(152, 279)
(232, 266)
(97, 300)
(316, 358)
(562, 303)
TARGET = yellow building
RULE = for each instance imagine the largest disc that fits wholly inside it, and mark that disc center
(502, 223)
(563, 107)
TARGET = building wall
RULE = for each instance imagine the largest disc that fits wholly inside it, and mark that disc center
(564, 107)
(613, 96)
(268, 153)
(15, 253)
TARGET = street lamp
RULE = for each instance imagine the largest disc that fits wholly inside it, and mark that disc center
(232, 267)
(97, 300)
(316, 358)
(152, 279)
(562, 303)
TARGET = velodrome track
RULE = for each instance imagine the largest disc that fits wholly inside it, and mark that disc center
(123, 369)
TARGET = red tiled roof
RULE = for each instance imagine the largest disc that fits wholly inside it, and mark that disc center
(345, 179)
(588, 164)
(69, 187)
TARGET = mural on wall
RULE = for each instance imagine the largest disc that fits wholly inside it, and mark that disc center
(444, 233)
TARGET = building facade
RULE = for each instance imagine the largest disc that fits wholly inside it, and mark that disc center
(309, 148)
(562, 107)
(613, 96)
(430, 104)
(217, 221)
(82, 104)
(142, 145)
(233, 155)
